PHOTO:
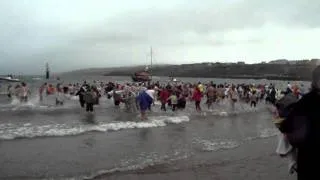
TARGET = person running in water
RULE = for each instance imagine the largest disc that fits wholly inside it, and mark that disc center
(164, 95)
(253, 99)
(211, 95)
(130, 101)
(197, 96)
(24, 92)
(174, 101)
(116, 98)
(151, 93)
(182, 102)
(81, 93)
(144, 101)
(90, 99)
(41, 91)
(9, 91)
(59, 95)
(232, 93)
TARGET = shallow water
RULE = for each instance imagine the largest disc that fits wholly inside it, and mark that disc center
(45, 141)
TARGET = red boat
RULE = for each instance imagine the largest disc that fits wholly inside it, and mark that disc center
(141, 76)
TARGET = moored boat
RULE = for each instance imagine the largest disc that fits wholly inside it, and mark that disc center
(9, 79)
(141, 76)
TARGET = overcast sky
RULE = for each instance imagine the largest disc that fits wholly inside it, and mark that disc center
(73, 34)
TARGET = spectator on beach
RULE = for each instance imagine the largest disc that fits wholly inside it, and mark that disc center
(283, 108)
(302, 129)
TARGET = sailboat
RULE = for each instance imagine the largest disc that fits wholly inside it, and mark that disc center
(145, 75)
(47, 74)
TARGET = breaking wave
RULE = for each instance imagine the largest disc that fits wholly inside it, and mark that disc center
(10, 131)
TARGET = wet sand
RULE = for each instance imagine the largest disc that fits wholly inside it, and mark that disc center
(61, 158)
(254, 161)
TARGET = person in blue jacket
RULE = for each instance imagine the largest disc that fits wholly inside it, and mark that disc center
(144, 102)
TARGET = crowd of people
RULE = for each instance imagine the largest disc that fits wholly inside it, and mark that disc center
(172, 95)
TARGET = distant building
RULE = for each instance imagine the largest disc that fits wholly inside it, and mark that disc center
(293, 62)
(304, 62)
(315, 61)
(279, 61)
(241, 62)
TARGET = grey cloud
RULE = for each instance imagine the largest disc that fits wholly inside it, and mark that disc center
(98, 37)
(25, 39)
(240, 15)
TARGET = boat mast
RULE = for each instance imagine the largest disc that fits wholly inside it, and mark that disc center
(47, 71)
(151, 56)
(151, 61)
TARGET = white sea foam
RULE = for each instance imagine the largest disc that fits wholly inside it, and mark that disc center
(29, 131)
(264, 133)
(217, 144)
(268, 132)
(48, 104)
(223, 113)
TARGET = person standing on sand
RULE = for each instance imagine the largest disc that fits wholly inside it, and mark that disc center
(301, 128)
